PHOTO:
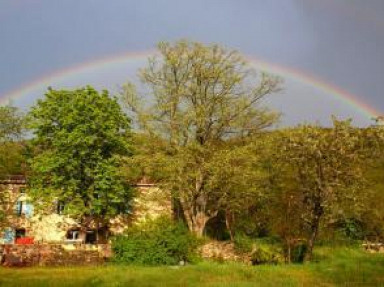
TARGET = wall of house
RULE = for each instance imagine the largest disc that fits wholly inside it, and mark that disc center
(50, 228)
(11, 194)
(149, 203)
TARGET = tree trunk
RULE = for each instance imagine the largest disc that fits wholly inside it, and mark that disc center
(311, 242)
(177, 210)
(312, 238)
(229, 220)
(288, 253)
(196, 218)
(196, 223)
(195, 208)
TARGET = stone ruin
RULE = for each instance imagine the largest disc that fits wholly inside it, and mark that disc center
(14, 255)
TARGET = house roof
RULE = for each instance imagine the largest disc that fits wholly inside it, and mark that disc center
(13, 179)
(21, 179)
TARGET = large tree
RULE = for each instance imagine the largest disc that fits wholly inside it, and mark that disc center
(80, 140)
(196, 98)
(324, 167)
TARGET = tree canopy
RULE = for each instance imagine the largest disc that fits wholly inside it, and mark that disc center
(203, 96)
(80, 140)
(324, 166)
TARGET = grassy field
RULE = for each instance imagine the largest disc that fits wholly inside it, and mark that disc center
(335, 267)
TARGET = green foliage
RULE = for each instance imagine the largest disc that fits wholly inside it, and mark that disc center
(325, 167)
(12, 124)
(12, 158)
(201, 98)
(261, 251)
(243, 243)
(351, 228)
(80, 140)
(12, 130)
(372, 218)
(158, 242)
(265, 255)
(201, 93)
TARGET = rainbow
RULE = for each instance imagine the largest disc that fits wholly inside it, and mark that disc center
(306, 78)
(132, 57)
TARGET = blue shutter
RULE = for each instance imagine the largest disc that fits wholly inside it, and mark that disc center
(9, 235)
(28, 209)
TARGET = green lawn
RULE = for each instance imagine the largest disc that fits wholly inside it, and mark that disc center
(336, 267)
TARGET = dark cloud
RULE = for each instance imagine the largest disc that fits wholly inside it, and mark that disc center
(340, 41)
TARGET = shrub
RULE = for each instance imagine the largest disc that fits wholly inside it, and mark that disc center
(158, 242)
(243, 244)
(298, 252)
(265, 254)
(266, 251)
(352, 228)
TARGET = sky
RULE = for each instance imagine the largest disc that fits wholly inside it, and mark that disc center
(338, 43)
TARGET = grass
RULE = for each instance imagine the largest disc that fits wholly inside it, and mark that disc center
(335, 267)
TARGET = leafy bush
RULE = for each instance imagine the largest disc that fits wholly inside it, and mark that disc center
(352, 228)
(243, 243)
(158, 242)
(265, 255)
(266, 251)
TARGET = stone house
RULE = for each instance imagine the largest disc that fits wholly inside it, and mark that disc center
(24, 225)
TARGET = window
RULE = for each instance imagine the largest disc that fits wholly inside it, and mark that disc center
(20, 233)
(20, 206)
(28, 209)
(23, 208)
(90, 237)
(60, 207)
(73, 234)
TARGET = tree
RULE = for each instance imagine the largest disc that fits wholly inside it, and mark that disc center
(12, 130)
(12, 124)
(239, 178)
(325, 165)
(80, 140)
(12, 161)
(373, 218)
(200, 98)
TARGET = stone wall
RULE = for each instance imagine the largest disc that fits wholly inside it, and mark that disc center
(222, 251)
(373, 247)
(12, 255)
